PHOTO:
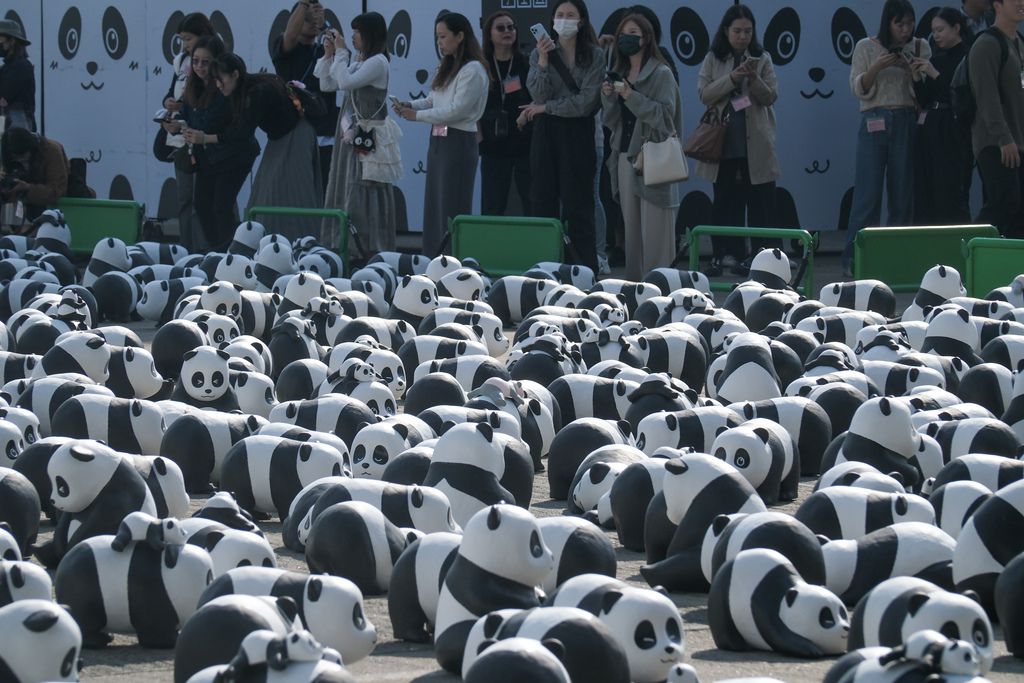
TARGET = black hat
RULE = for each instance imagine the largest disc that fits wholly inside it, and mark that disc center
(12, 29)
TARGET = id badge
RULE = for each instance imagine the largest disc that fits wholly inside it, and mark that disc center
(501, 126)
(740, 103)
(513, 84)
(876, 125)
(439, 131)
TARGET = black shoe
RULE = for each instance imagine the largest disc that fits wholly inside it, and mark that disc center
(714, 268)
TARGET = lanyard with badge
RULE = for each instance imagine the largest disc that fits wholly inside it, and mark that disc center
(506, 86)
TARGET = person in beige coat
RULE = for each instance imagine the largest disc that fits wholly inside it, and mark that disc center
(641, 103)
(738, 78)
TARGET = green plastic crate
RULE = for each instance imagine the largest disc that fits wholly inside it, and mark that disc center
(314, 215)
(900, 257)
(507, 245)
(92, 220)
(992, 262)
(807, 239)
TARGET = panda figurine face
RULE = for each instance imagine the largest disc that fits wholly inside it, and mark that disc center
(78, 471)
(220, 329)
(817, 614)
(41, 641)
(375, 446)
(204, 373)
(238, 270)
(222, 298)
(505, 540)
(12, 442)
(648, 626)
(415, 296)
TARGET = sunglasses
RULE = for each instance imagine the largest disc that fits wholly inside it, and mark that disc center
(202, 62)
(505, 28)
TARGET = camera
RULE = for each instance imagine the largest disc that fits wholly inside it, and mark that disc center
(10, 179)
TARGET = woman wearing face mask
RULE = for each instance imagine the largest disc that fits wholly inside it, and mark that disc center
(565, 83)
(17, 77)
(505, 146)
(455, 104)
(289, 172)
(738, 79)
(944, 162)
(361, 183)
(220, 168)
(643, 106)
(193, 27)
(882, 78)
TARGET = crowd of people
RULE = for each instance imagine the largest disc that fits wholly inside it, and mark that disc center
(578, 108)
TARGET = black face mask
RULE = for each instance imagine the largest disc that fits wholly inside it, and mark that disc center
(628, 44)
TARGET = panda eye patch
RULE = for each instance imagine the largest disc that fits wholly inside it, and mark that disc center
(359, 454)
(198, 379)
(380, 455)
(950, 630)
(979, 634)
(536, 549)
(672, 629)
(217, 379)
(115, 33)
(644, 635)
(357, 617)
(742, 458)
(826, 618)
(70, 33)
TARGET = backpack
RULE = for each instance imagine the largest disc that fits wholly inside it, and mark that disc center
(962, 100)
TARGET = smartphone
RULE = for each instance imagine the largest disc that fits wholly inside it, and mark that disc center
(896, 50)
(538, 31)
(394, 100)
(612, 77)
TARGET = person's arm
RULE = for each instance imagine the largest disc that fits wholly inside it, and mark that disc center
(586, 100)
(538, 80)
(470, 86)
(55, 177)
(985, 64)
(322, 70)
(18, 82)
(712, 92)
(764, 85)
(294, 27)
(657, 106)
(373, 70)
(611, 110)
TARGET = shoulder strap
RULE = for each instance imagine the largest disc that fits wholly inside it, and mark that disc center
(558, 64)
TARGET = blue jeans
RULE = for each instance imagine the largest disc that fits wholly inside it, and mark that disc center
(885, 155)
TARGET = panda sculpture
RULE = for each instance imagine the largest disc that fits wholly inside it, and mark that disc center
(974, 435)
(198, 443)
(860, 475)
(128, 425)
(295, 656)
(518, 659)
(330, 607)
(845, 512)
(204, 380)
(41, 642)
(514, 296)
(574, 442)
(729, 535)
(939, 284)
(629, 496)
(805, 420)
(501, 559)
(228, 548)
(83, 353)
(645, 623)
(748, 372)
(860, 295)
(19, 509)
(375, 445)
(416, 584)
(122, 600)
(764, 453)
(759, 601)
(927, 655)
(579, 547)
(596, 474)
(890, 613)
(341, 415)
(23, 581)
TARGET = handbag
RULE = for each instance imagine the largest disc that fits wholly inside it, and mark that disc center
(708, 138)
(184, 161)
(662, 162)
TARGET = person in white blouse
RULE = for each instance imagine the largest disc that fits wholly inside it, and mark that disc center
(458, 96)
(366, 160)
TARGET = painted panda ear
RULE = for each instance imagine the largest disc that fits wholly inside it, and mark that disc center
(81, 454)
(486, 430)
(763, 434)
(17, 576)
(406, 279)
(676, 466)
(288, 606)
(973, 595)
(314, 588)
(791, 595)
(902, 505)
(212, 539)
(40, 621)
(448, 424)
(417, 497)
(493, 518)
(402, 430)
(608, 601)
(885, 407)
(555, 647)
(671, 422)
(719, 523)
(942, 271)
(822, 539)
(916, 602)
(624, 428)
(189, 355)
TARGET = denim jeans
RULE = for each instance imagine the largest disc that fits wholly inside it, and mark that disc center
(884, 159)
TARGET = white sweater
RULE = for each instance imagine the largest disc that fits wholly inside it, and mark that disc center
(342, 73)
(461, 104)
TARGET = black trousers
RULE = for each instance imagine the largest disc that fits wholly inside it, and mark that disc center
(563, 160)
(325, 164)
(738, 203)
(1004, 188)
(497, 171)
(216, 192)
(942, 172)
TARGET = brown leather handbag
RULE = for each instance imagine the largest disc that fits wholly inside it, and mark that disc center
(706, 141)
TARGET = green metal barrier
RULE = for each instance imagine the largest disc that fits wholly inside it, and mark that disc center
(93, 220)
(337, 214)
(901, 256)
(507, 245)
(807, 239)
(992, 262)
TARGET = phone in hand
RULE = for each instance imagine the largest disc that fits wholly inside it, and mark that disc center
(612, 77)
(538, 31)
(394, 100)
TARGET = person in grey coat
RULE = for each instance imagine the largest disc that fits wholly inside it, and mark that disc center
(641, 105)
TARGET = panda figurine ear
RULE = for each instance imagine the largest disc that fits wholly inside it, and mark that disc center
(791, 595)
(973, 595)
(671, 422)
(916, 602)
(822, 539)
(608, 601)
(40, 621)
(288, 606)
(902, 506)
(493, 518)
(212, 539)
(136, 408)
(417, 497)
(81, 454)
(402, 430)
(189, 355)
(624, 428)
(492, 623)
(763, 434)
(719, 523)
(486, 430)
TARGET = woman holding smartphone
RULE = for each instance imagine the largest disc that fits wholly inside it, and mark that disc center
(882, 78)
(458, 95)
(738, 79)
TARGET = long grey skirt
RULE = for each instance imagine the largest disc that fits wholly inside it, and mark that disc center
(370, 205)
(451, 175)
(289, 175)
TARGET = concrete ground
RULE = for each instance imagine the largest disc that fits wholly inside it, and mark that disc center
(397, 661)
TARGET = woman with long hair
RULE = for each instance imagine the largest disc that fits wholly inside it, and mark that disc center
(882, 78)
(944, 159)
(642, 107)
(738, 79)
(504, 145)
(17, 77)
(361, 180)
(220, 168)
(458, 95)
(289, 173)
(565, 83)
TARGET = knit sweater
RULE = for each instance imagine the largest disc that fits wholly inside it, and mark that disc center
(997, 91)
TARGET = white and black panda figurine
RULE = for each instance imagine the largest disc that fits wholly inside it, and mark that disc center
(296, 656)
(222, 508)
(140, 527)
(927, 655)
(518, 659)
(109, 591)
(83, 353)
(513, 297)
(414, 299)
(127, 425)
(501, 559)
(938, 285)
(355, 540)
(646, 623)
(41, 642)
(19, 509)
(860, 295)
(861, 475)
(229, 548)
(1009, 599)
(341, 415)
(204, 380)
(579, 547)
(847, 512)
(94, 487)
(992, 536)
(889, 614)
(853, 567)
(213, 634)
(23, 581)
(574, 442)
(376, 444)
(764, 453)
(108, 255)
(629, 496)
(198, 442)
(330, 607)
(759, 601)
(729, 535)
(416, 584)
(748, 373)
(952, 332)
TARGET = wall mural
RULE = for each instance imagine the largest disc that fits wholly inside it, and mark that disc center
(103, 68)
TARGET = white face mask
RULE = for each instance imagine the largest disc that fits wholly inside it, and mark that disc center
(566, 28)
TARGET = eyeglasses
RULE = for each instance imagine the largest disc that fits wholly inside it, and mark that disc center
(505, 28)
(202, 62)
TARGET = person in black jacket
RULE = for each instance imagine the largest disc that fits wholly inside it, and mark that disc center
(505, 147)
(944, 161)
(17, 77)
